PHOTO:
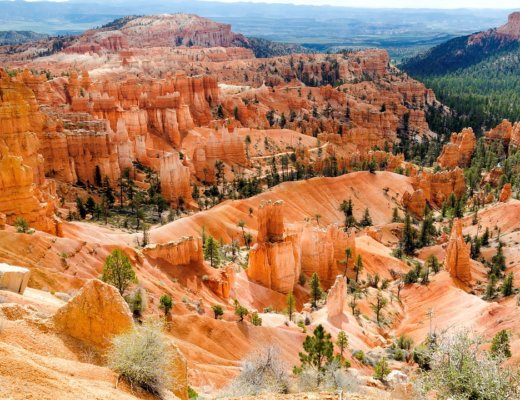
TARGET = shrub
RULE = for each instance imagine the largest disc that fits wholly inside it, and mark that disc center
(256, 320)
(421, 356)
(240, 311)
(332, 378)
(192, 394)
(399, 355)
(141, 356)
(500, 346)
(381, 369)
(137, 302)
(218, 311)
(405, 342)
(166, 303)
(359, 355)
(460, 369)
(21, 225)
(262, 372)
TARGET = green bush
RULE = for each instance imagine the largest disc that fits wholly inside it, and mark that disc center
(141, 356)
(461, 369)
(360, 356)
(381, 369)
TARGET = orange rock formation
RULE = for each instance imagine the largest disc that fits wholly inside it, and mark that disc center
(458, 152)
(95, 314)
(323, 252)
(274, 261)
(457, 261)
(24, 191)
(336, 297)
(280, 255)
(183, 251)
(434, 188)
(505, 193)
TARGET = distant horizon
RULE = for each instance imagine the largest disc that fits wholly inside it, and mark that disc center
(392, 4)
(368, 4)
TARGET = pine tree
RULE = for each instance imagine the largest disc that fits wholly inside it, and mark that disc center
(220, 112)
(407, 240)
(427, 229)
(90, 205)
(348, 255)
(212, 251)
(316, 290)
(507, 286)
(366, 220)
(118, 271)
(358, 266)
(347, 209)
(380, 303)
(381, 370)
(395, 215)
(500, 346)
(484, 240)
(342, 342)
(291, 303)
(97, 176)
(81, 208)
(432, 262)
(490, 288)
(318, 351)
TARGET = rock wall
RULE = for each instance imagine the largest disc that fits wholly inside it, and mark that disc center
(433, 189)
(270, 222)
(507, 133)
(184, 251)
(281, 254)
(169, 106)
(323, 250)
(415, 202)
(175, 179)
(166, 30)
(457, 261)
(274, 261)
(221, 145)
(24, 191)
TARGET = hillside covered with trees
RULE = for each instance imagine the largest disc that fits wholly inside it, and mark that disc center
(478, 77)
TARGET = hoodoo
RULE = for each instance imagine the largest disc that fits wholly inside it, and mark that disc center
(458, 254)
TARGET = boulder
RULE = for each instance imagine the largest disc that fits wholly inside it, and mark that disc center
(396, 377)
(94, 315)
(13, 278)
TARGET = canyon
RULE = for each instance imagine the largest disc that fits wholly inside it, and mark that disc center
(232, 181)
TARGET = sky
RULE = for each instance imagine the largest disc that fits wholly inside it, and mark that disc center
(399, 3)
